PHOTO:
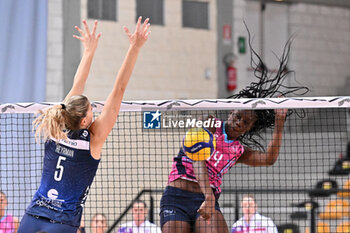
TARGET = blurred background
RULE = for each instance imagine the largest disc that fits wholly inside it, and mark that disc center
(193, 45)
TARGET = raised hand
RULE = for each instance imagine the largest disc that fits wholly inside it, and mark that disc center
(89, 39)
(140, 35)
(280, 115)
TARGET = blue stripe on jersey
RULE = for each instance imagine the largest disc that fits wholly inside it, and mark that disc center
(68, 172)
(180, 167)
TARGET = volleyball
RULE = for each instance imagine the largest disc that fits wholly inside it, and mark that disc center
(199, 144)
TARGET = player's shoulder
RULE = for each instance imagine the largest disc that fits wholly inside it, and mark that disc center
(217, 126)
(264, 219)
(148, 223)
(81, 134)
(84, 134)
(124, 227)
(127, 224)
(153, 227)
(211, 121)
(240, 222)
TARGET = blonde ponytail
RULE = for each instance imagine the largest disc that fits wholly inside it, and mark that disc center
(50, 124)
(57, 120)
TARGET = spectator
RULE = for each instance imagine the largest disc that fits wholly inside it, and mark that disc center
(139, 223)
(99, 223)
(252, 221)
(8, 223)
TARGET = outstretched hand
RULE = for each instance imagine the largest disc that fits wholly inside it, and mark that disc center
(89, 39)
(140, 35)
(280, 115)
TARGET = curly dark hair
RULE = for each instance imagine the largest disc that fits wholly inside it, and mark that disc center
(268, 85)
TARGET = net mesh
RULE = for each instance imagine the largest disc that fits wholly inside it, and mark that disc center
(136, 162)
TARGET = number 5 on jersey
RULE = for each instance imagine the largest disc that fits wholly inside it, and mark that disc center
(59, 169)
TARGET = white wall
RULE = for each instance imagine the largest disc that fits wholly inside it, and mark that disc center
(174, 60)
(321, 50)
(275, 35)
(54, 71)
(320, 53)
(171, 65)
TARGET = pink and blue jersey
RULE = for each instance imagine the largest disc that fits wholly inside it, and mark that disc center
(225, 155)
(7, 224)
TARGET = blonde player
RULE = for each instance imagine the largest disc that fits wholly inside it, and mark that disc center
(73, 141)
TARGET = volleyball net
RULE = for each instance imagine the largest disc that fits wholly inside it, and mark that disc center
(305, 188)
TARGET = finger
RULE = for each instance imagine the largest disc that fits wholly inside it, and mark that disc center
(94, 28)
(127, 31)
(147, 34)
(79, 30)
(138, 24)
(99, 35)
(145, 24)
(78, 37)
(205, 217)
(86, 27)
(145, 29)
(203, 214)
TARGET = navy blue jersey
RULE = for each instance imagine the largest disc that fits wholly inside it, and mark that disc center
(68, 172)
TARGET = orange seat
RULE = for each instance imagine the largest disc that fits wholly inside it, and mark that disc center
(322, 227)
(345, 194)
(336, 209)
(343, 227)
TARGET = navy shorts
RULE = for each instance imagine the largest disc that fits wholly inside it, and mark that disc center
(181, 205)
(31, 224)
